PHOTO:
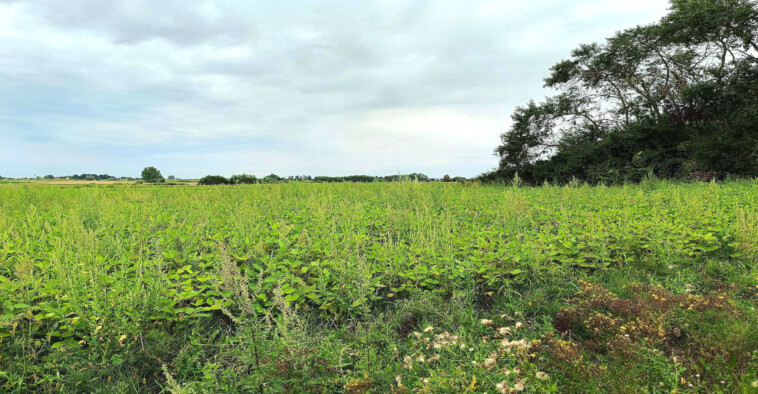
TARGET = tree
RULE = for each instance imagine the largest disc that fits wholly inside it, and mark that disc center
(49, 177)
(152, 175)
(271, 178)
(672, 98)
(243, 179)
(210, 180)
(446, 178)
(171, 178)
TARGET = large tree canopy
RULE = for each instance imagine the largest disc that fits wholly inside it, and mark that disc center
(678, 98)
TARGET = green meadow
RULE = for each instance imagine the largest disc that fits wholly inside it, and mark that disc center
(379, 287)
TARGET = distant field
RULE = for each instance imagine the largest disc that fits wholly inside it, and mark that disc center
(79, 182)
(75, 182)
(377, 287)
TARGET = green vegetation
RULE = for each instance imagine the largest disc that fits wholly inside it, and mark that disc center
(210, 180)
(243, 179)
(91, 177)
(152, 175)
(381, 286)
(677, 99)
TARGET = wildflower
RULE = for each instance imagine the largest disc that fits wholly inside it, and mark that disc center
(417, 334)
(723, 382)
(519, 386)
(399, 380)
(755, 383)
(517, 370)
(420, 358)
(506, 371)
(502, 387)
(486, 322)
(425, 382)
(542, 376)
(429, 329)
(660, 384)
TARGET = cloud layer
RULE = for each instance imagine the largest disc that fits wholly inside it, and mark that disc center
(320, 87)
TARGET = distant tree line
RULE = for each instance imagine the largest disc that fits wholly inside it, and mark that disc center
(273, 178)
(675, 99)
(87, 177)
(153, 175)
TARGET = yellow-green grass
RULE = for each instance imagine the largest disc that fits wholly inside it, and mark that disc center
(145, 288)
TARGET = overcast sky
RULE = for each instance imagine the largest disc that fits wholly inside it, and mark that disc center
(292, 87)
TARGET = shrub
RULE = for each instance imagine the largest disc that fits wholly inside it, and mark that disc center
(209, 180)
(243, 179)
(271, 178)
(152, 175)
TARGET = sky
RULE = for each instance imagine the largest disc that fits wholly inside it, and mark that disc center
(291, 87)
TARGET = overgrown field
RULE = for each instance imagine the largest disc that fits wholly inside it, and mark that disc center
(379, 287)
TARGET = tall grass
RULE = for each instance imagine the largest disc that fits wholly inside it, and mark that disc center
(111, 283)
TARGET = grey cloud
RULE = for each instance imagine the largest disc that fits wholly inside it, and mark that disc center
(280, 79)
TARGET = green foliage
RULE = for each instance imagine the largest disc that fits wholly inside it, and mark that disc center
(271, 178)
(128, 288)
(152, 175)
(678, 98)
(210, 180)
(91, 177)
(243, 179)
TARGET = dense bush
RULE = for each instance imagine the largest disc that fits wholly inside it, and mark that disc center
(91, 177)
(152, 175)
(675, 99)
(243, 179)
(272, 178)
(213, 180)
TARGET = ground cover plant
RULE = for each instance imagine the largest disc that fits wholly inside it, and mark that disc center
(405, 287)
